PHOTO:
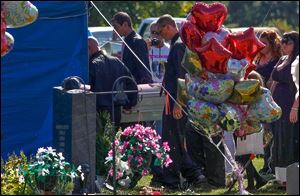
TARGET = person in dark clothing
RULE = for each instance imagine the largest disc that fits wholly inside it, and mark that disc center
(174, 122)
(121, 21)
(285, 149)
(104, 70)
(265, 61)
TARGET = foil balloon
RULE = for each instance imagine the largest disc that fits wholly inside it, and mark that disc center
(3, 30)
(191, 63)
(19, 13)
(190, 35)
(265, 109)
(182, 96)
(10, 44)
(237, 68)
(213, 90)
(204, 114)
(244, 44)
(229, 118)
(250, 68)
(221, 36)
(209, 17)
(214, 56)
(245, 92)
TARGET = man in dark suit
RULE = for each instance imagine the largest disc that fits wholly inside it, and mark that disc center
(121, 21)
(174, 121)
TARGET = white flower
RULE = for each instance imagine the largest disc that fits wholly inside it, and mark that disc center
(82, 176)
(51, 151)
(41, 150)
(43, 172)
(21, 179)
(61, 157)
(79, 168)
(125, 182)
(40, 162)
(73, 175)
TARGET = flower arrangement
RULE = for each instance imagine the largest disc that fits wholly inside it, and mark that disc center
(50, 172)
(134, 149)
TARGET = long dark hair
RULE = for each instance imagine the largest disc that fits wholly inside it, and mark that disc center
(293, 36)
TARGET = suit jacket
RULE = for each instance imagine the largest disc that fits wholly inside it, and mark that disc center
(174, 69)
(139, 46)
(103, 72)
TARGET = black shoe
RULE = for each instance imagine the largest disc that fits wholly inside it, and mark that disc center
(250, 189)
(157, 181)
(261, 183)
(199, 180)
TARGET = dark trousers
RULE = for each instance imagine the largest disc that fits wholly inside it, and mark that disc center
(174, 133)
(251, 170)
(207, 156)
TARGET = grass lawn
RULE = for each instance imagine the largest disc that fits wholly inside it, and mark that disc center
(204, 189)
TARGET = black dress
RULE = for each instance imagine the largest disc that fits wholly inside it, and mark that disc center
(266, 69)
(285, 134)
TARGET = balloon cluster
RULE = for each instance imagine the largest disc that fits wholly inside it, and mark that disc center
(14, 14)
(217, 92)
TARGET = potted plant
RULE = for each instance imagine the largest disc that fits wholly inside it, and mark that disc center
(50, 172)
(134, 149)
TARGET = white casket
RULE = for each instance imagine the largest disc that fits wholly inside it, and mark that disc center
(149, 107)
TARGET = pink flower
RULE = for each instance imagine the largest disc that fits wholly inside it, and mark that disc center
(168, 160)
(158, 155)
(110, 172)
(130, 157)
(133, 149)
(127, 131)
(110, 153)
(166, 146)
(140, 146)
(119, 175)
(145, 172)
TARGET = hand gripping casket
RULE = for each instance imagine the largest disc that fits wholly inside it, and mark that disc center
(149, 107)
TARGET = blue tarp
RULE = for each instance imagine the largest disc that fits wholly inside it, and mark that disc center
(45, 52)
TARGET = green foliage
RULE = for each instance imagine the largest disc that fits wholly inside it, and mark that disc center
(12, 182)
(103, 141)
(240, 13)
(282, 25)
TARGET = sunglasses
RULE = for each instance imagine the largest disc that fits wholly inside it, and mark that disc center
(286, 40)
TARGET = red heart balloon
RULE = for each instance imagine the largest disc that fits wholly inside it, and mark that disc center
(214, 56)
(190, 35)
(209, 17)
(244, 44)
(4, 44)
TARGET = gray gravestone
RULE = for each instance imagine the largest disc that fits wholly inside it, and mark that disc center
(292, 179)
(74, 129)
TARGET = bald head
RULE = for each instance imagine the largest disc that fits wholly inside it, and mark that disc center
(93, 45)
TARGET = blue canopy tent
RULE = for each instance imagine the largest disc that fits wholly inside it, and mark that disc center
(45, 52)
